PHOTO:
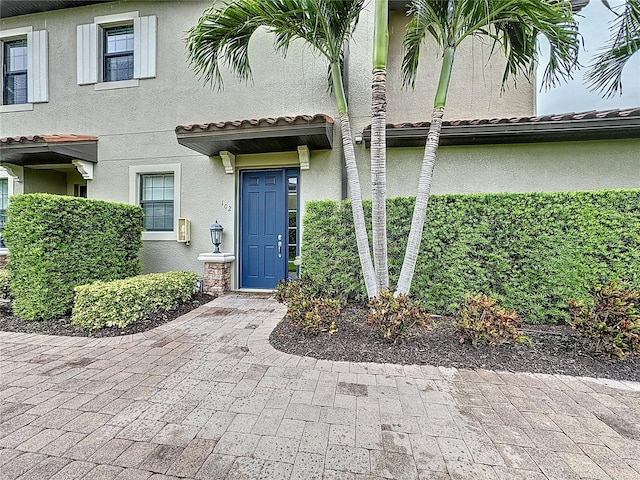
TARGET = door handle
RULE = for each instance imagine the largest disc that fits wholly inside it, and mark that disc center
(279, 246)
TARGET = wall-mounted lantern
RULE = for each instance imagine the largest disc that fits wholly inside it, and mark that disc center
(216, 235)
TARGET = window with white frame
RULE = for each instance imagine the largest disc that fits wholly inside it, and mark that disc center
(24, 68)
(156, 188)
(14, 71)
(116, 50)
(117, 53)
(156, 200)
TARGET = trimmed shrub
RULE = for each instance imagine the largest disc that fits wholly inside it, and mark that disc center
(482, 320)
(308, 310)
(610, 319)
(396, 317)
(119, 303)
(529, 251)
(4, 284)
(57, 243)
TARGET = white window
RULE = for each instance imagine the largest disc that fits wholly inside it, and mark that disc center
(156, 188)
(156, 200)
(24, 68)
(116, 51)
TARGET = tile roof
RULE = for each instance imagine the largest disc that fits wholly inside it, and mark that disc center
(552, 118)
(55, 138)
(298, 120)
(592, 125)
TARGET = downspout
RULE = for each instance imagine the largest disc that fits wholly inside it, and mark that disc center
(345, 82)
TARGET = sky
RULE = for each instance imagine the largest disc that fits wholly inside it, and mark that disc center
(573, 96)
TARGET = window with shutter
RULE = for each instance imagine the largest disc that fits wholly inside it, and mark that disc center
(117, 48)
(24, 67)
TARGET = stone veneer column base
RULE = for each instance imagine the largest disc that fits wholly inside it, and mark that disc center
(217, 272)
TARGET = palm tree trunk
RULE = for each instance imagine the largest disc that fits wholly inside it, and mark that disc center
(379, 143)
(353, 181)
(422, 199)
(379, 178)
(426, 175)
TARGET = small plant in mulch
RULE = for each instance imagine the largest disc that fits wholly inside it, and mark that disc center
(308, 309)
(4, 284)
(482, 320)
(610, 319)
(396, 316)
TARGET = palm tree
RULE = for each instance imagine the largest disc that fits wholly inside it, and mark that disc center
(605, 73)
(221, 38)
(512, 25)
(378, 142)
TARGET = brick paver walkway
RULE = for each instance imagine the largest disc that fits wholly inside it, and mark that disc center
(207, 397)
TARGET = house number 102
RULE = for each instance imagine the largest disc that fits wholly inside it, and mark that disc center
(225, 206)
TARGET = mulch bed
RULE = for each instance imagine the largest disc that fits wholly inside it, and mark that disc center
(554, 349)
(63, 325)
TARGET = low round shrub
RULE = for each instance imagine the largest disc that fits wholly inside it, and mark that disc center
(119, 303)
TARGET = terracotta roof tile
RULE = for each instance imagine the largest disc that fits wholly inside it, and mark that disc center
(55, 138)
(255, 123)
(563, 117)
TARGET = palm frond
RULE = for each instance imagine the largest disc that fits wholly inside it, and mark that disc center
(513, 25)
(428, 18)
(605, 72)
(222, 35)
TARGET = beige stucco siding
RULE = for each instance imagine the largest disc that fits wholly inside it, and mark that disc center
(45, 181)
(540, 167)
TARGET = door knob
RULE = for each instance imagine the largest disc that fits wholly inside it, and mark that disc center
(279, 246)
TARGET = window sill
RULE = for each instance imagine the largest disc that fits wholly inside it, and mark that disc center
(115, 85)
(20, 107)
(165, 236)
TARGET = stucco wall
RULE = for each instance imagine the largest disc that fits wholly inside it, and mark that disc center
(539, 167)
(49, 181)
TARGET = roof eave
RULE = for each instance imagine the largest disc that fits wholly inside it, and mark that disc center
(505, 133)
(15, 8)
(19, 153)
(282, 138)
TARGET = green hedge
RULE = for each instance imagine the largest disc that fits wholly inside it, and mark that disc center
(58, 242)
(529, 251)
(121, 302)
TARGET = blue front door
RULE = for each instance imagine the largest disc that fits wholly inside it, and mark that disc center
(263, 260)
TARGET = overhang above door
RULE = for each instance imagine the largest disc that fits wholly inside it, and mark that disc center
(301, 134)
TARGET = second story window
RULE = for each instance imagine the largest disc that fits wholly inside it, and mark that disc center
(14, 72)
(118, 53)
(25, 68)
